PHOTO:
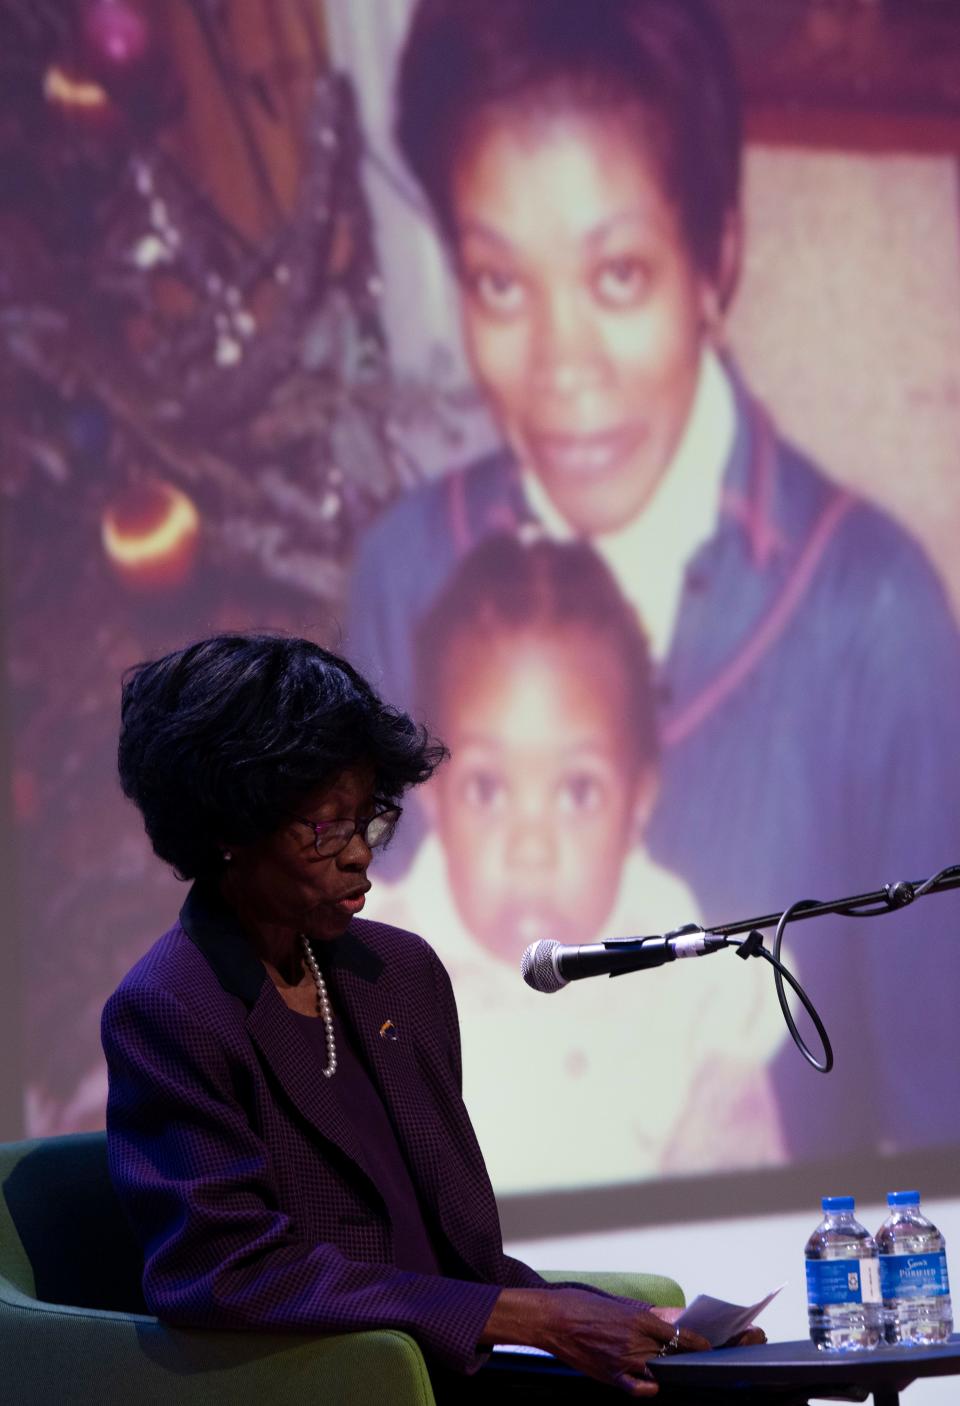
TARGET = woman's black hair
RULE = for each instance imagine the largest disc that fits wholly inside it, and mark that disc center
(664, 63)
(220, 741)
(506, 586)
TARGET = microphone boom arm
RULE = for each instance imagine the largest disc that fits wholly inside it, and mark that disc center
(863, 905)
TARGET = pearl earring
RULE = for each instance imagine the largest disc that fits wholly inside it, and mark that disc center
(227, 856)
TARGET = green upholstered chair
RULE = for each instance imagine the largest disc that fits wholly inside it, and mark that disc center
(74, 1329)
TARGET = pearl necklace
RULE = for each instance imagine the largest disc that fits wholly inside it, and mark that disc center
(323, 1005)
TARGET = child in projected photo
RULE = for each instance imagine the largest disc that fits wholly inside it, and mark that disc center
(534, 669)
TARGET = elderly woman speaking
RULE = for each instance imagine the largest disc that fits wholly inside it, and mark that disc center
(285, 1123)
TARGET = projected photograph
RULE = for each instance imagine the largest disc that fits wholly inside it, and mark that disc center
(597, 393)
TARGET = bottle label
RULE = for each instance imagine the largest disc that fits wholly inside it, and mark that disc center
(842, 1281)
(914, 1276)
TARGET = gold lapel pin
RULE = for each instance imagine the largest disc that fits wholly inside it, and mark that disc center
(388, 1031)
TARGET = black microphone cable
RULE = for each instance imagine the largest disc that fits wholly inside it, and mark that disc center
(895, 896)
(782, 973)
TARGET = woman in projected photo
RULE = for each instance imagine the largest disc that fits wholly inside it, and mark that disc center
(583, 164)
(534, 668)
(285, 1125)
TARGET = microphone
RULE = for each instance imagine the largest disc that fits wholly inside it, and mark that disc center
(547, 966)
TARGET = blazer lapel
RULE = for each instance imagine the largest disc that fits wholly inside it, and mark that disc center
(294, 1064)
(375, 1004)
(210, 924)
(378, 1007)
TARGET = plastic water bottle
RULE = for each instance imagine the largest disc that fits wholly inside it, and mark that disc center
(913, 1274)
(843, 1281)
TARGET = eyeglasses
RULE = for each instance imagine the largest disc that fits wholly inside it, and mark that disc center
(332, 836)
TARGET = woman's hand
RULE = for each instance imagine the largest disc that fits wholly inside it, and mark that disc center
(605, 1338)
(612, 1339)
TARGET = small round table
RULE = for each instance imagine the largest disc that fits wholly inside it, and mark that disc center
(792, 1374)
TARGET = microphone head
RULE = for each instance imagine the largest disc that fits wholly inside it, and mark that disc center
(539, 969)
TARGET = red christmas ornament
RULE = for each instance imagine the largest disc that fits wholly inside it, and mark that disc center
(151, 533)
(83, 105)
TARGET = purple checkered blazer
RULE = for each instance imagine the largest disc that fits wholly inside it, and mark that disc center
(246, 1185)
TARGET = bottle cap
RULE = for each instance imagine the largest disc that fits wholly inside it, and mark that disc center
(837, 1203)
(903, 1198)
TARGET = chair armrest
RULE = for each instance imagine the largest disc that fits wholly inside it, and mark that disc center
(655, 1289)
(84, 1357)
